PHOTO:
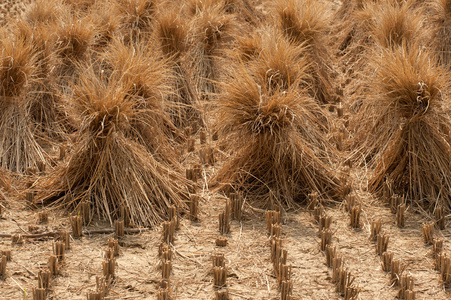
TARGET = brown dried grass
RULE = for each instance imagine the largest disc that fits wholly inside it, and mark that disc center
(172, 34)
(248, 46)
(281, 65)
(382, 23)
(47, 109)
(44, 12)
(307, 22)
(386, 22)
(106, 24)
(391, 23)
(136, 18)
(183, 103)
(439, 16)
(18, 147)
(349, 40)
(75, 40)
(6, 182)
(108, 169)
(275, 139)
(302, 21)
(245, 11)
(211, 30)
(140, 67)
(80, 5)
(404, 127)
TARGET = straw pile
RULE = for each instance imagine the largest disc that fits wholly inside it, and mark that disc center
(272, 133)
(136, 18)
(439, 15)
(306, 22)
(391, 23)
(244, 11)
(108, 169)
(248, 46)
(385, 24)
(139, 67)
(75, 40)
(18, 146)
(106, 24)
(211, 28)
(404, 127)
(172, 35)
(44, 12)
(283, 66)
(47, 110)
(279, 64)
(80, 5)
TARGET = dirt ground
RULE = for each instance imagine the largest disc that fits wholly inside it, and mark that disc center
(248, 262)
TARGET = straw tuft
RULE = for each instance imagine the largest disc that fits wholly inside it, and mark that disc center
(306, 23)
(405, 128)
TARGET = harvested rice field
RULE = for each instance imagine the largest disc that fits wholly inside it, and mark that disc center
(225, 149)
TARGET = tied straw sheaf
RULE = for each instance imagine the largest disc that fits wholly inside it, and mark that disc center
(109, 168)
(405, 128)
(275, 138)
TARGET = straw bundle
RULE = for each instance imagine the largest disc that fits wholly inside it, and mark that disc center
(18, 147)
(351, 18)
(272, 137)
(75, 39)
(44, 12)
(439, 15)
(105, 23)
(80, 5)
(376, 24)
(282, 66)
(109, 170)
(46, 106)
(248, 46)
(244, 10)
(350, 39)
(391, 23)
(211, 28)
(307, 22)
(172, 34)
(139, 68)
(136, 18)
(404, 127)
(348, 6)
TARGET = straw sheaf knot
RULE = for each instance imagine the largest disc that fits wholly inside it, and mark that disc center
(272, 118)
(418, 104)
(423, 97)
(213, 33)
(103, 123)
